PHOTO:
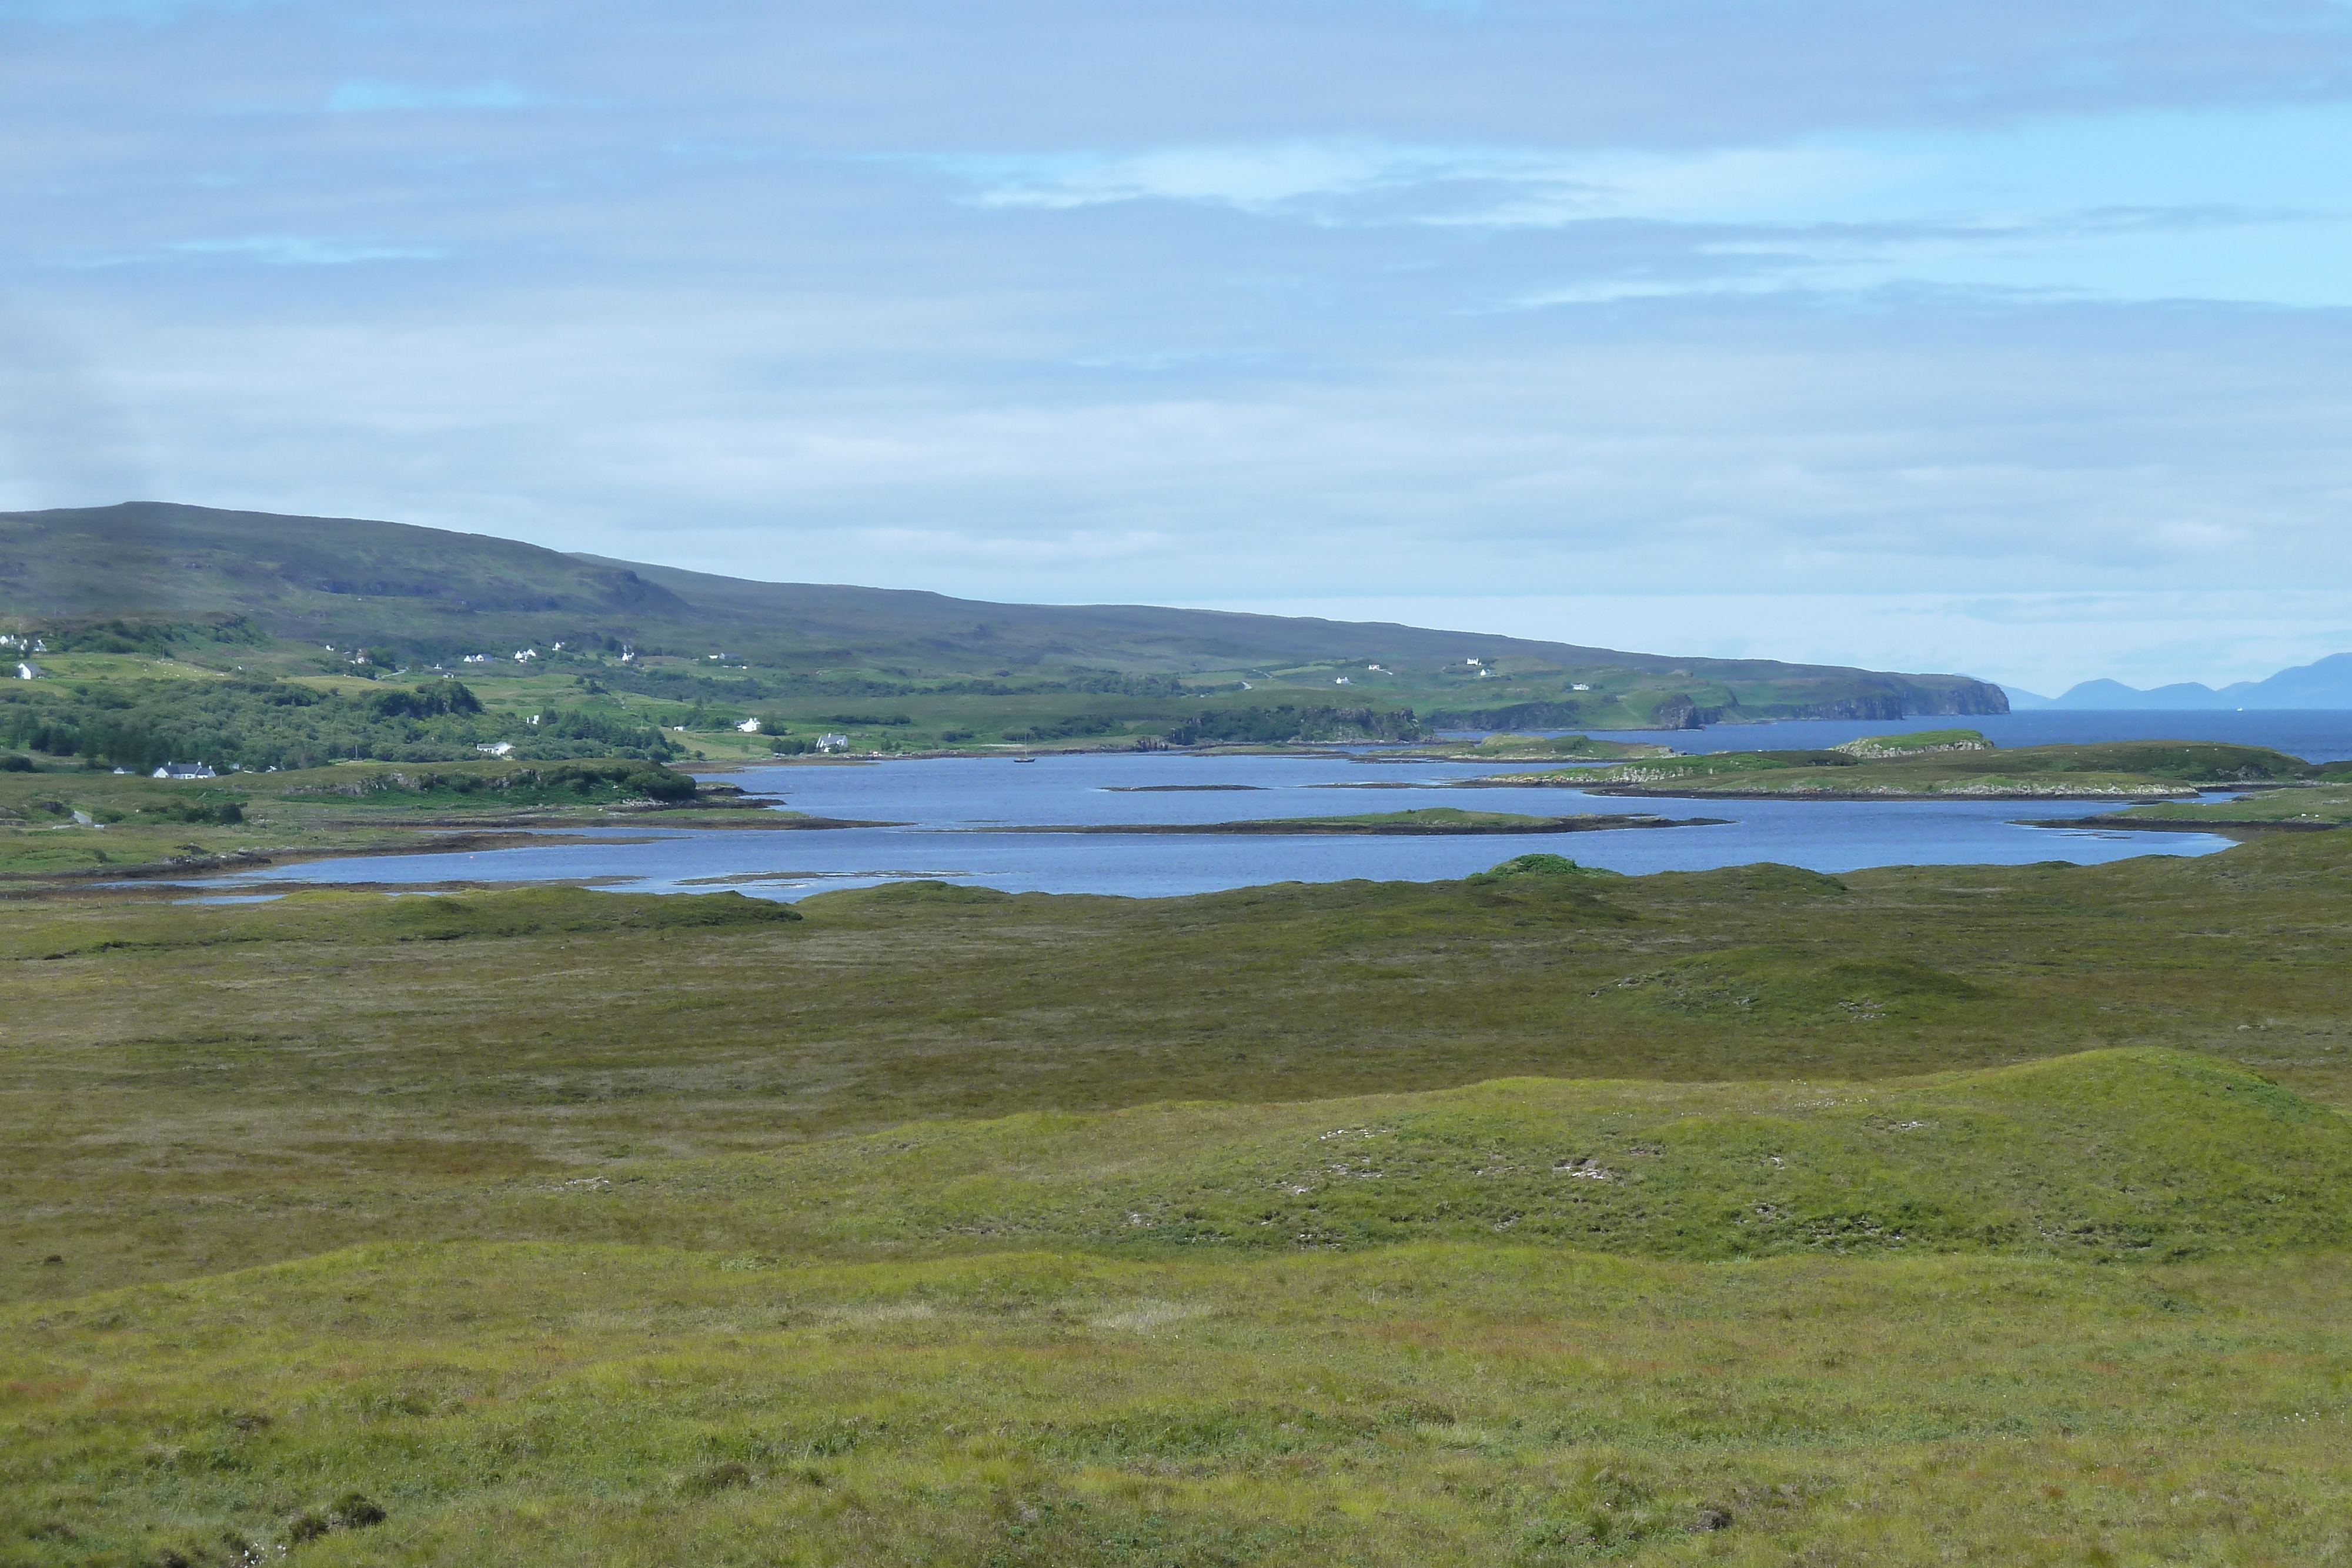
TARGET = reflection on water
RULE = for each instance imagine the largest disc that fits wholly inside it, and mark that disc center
(943, 802)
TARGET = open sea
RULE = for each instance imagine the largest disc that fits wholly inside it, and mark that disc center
(953, 811)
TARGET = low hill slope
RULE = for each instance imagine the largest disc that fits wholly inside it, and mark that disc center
(2117, 1153)
(434, 593)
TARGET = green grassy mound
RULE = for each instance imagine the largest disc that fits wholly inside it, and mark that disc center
(2116, 1154)
(1913, 743)
(1535, 747)
(2320, 805)
(1784, 986)
(1538, 865)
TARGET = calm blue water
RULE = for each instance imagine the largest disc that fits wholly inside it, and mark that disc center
(943, 801)
(937, 799)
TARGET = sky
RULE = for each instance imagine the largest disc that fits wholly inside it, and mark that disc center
(2006, 338)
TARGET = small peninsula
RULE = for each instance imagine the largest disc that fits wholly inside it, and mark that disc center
(1938, 764)
(1425, 822)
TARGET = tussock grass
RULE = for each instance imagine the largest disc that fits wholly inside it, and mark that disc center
(1412, 1404)
(1756, 1216)
(2116, 1154)
(204, 1102)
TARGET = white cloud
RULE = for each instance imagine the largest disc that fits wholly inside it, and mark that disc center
(1065, 549)
(2241, 205)
(302, 250)
(1831, 298)
(2039, 643)
(387, 97)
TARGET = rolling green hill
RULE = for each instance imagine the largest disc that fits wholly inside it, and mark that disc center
(221, 591)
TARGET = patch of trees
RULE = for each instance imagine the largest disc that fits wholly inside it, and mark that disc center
(433, 700)
(615, 735)
(1290, 722)
(155, 638)
(220, 814)
(259, 723)
(527, 786)
(1074, 727)
(1111, 683)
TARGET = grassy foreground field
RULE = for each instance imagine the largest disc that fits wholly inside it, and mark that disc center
(1918, 1216)
(587, 1404)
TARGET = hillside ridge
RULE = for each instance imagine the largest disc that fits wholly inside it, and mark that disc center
(343, 580)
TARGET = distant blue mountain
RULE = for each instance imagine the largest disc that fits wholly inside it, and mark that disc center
(2324, 683)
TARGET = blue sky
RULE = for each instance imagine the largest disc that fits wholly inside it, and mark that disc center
(2004, 337)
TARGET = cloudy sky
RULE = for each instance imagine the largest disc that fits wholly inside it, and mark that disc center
(2005, 337)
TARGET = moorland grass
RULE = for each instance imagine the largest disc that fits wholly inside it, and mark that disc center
(1915, 1216)
(177, 1100)
(1417, 1404)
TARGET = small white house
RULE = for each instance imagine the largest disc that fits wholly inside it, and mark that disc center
(1473, 664)
(750, 726)
(1580, 686)
(525, 655)
(1342, 680)
(496, 749)
(183, 770)
(832, 743)
(29, 671)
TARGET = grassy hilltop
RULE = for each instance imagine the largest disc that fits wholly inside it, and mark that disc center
(1545, 1217)
(284, 641)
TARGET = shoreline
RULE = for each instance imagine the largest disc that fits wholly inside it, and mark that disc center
(516, 832)
(2229, 828)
